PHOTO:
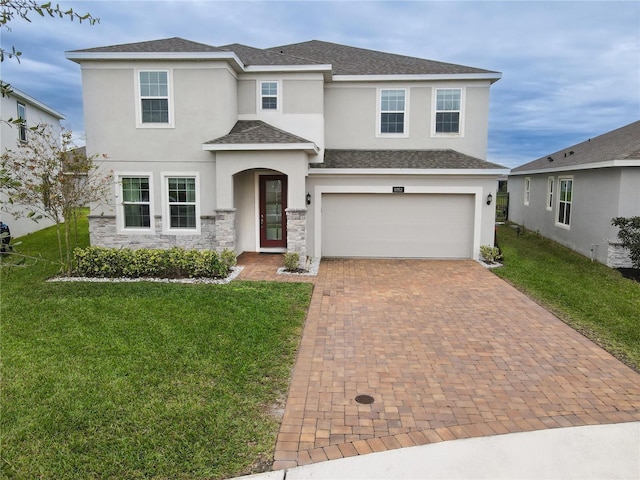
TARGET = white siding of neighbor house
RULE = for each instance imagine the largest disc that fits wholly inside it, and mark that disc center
(9, 140)
(598, 196)
(351, 117)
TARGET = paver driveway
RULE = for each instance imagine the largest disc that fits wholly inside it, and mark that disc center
(447, 350)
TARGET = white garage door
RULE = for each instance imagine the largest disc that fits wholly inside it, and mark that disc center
(397, 225)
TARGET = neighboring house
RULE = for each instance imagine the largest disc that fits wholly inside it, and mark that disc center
(17, 105)
(317, 148)
(570, 196)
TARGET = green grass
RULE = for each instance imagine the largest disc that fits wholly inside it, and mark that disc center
(140, 380)
(592, 298)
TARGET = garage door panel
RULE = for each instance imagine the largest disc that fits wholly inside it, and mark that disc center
(388, 225)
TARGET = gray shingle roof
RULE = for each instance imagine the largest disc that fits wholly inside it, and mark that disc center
(348, 60)
(253, 132)
(345, 60)
(166, 45)
(620, 144)
(422, 159)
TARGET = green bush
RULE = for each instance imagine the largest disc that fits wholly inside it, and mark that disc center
(629, 235)
(291, 261)
(144, 263)
(490, 254)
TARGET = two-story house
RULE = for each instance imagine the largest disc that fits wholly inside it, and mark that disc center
(13, 106)
(319, 148)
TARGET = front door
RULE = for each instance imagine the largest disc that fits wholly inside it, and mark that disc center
(273, 219)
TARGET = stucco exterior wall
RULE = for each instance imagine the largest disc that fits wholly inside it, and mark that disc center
(351, 118)
(110, 98)
(598, 196)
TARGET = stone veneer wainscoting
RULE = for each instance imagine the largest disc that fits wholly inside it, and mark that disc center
(297, 233)
(618, 256)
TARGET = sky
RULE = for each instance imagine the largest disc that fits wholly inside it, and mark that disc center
(570, 70)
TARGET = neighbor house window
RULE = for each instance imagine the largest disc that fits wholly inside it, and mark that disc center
(22, 126)
(269, 95)
(527, 190)
(182, 202)
(154, 97)
(550, 183)
(448, 108)
(392, 111)
(565, 199)
(136, 202)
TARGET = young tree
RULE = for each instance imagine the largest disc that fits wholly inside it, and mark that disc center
(629, 235)
(47, 177)
(15, 9)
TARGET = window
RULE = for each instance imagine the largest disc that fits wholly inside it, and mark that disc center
(527, 190)
(448, 108)
(182, 203)
(136, 202)
(154, 97)
(269, 95)
(392, 111)
(565, 200)
(22, 127)
(550, 182)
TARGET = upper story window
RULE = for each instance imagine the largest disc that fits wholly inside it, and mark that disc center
(448, 111)
(565, 200)
(550, 185)
(269, 95)
(154, 92)
(392, 118)
(527, 190)
(136, 202)
(22, 126)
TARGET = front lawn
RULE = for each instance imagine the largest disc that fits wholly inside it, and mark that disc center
(141, 380)
(594, 299)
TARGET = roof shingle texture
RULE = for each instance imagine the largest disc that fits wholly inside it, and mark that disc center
(253, 132)
(620, 144)
(345, 60)
(413, 159)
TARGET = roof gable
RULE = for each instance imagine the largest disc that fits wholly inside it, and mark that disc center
(620, 144)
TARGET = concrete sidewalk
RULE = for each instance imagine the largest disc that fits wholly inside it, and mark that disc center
(587, 452)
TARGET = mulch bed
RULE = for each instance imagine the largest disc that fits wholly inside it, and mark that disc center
(630, 273)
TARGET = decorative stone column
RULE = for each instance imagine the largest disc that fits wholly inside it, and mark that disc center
(618, 256)
(225, 229)
(297, 233)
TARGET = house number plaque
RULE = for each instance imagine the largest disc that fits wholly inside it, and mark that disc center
(398, 189)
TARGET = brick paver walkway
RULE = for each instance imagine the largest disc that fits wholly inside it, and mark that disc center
(447, 350)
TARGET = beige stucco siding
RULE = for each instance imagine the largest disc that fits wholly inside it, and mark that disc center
(351, 118)
(302, 97)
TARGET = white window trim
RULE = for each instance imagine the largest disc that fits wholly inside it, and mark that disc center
(278, 96)
(379, 133)
(434, 111)
(166, 215)
(22, 127)
(558, 196)
(120, 228)
(527, 190)
(139, 122)
(550, 193)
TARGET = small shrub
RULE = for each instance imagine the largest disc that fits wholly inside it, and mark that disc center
(228, 257)
(291, 261)
(629, 235)
(145, 263)
(490, 254)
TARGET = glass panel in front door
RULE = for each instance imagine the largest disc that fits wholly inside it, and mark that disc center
(273, 209)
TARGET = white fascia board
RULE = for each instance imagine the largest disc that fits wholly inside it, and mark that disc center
(492, 77)
(409, 171)
(225, 147)
(20, 95)
(588, 166)
(79, 56)
(287, 68)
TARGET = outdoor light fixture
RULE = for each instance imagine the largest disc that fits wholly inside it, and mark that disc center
(489, 198)
(308, 199)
